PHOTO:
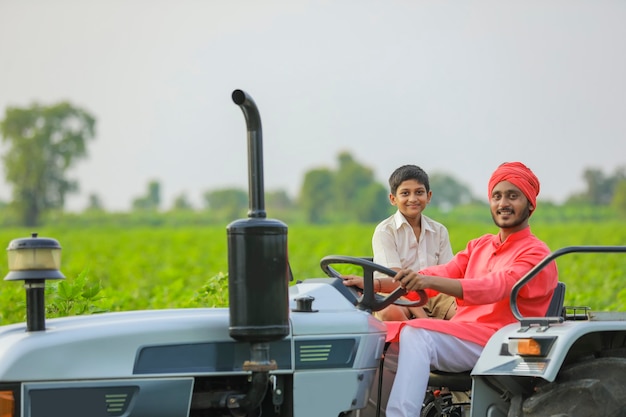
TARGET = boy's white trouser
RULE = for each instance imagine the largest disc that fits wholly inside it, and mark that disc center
(420, 351)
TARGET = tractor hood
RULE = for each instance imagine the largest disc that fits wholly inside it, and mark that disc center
(181, 341)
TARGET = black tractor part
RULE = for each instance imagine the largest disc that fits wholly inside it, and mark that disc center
(258, 266)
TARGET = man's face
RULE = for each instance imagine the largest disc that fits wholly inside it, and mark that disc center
(510, 209)
(411, 198)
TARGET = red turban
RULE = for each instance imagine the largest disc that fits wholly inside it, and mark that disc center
(519, 175)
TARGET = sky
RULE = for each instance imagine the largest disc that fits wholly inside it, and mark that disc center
(456, 87)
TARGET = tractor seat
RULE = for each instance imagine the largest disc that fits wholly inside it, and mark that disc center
(462, 381)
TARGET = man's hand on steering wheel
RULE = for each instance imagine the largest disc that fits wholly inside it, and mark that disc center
(369, 300)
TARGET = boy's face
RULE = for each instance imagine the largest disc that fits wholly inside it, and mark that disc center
(411, 198)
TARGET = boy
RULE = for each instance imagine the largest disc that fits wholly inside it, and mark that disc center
(409, 239)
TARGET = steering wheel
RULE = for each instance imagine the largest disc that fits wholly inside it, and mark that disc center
(369, 300)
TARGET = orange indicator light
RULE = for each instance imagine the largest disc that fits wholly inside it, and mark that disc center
(7, 404)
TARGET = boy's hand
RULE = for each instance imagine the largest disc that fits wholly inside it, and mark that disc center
(353, 281)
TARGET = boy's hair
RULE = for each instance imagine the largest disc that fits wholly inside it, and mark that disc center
(408, 172)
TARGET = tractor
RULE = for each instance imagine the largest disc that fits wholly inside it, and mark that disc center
(306, 349)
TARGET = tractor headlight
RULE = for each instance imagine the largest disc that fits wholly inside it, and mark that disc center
(7, 403)
(531, 346)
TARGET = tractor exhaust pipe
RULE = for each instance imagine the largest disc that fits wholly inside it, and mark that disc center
(255, 153)
(258, 272)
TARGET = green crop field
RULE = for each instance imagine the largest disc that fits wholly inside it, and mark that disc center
(113, 269)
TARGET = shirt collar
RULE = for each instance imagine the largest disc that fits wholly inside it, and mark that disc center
(399, 220)
(519, 235)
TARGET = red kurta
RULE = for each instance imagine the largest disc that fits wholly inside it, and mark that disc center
(488, 270)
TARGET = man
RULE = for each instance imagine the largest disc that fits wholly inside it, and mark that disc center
(481, 278)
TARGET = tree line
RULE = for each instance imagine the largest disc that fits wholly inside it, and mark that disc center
(44, 142)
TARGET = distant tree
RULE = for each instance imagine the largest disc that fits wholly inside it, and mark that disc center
(348, 194)
(316, 194)
(600, 187)
(619, 198)
(95, 203)
(577, 199)
(43, 143)
(152, 200)
(350, 180)
(278, 200)
(227, 203)
(181, 202)
(373, 204)
(448, 192)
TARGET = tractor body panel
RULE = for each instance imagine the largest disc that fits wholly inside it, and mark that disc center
(145, 363)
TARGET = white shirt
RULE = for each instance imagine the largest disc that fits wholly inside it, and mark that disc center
(395, 244)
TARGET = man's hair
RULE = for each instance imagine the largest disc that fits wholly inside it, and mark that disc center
(408, 172)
